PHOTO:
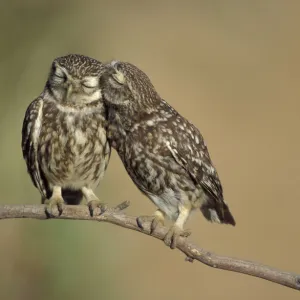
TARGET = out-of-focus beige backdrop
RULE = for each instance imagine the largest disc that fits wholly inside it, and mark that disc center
(232, 68)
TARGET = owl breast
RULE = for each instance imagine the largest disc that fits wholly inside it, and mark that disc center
(154, 171)
(73, 149)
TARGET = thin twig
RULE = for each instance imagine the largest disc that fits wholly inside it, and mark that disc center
(193, 252)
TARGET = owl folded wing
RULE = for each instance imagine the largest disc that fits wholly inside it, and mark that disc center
(30, 135)
(191, 153)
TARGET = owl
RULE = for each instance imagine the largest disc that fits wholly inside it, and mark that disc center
(64, 139)
(164, 154)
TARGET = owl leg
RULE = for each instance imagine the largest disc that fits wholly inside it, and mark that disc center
(157, 219)
(177, 230)
(56, 200)
(93, 201)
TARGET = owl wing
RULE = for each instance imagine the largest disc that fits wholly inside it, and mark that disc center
(107, 154)
(189, 150)
(30, 136)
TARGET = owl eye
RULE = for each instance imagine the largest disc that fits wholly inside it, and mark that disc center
(119, 77)
(60, 78)
(88, 86)
(90, 82)
(58, 73)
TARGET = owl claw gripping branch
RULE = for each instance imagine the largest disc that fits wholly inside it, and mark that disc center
(164, 154)
(63, 138)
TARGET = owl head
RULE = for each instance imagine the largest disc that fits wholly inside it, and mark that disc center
(74, 79)
(125, 86)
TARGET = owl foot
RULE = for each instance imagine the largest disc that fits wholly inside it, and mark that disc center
(52, 203)
(154, 222)
(174, 233)
(94, 204)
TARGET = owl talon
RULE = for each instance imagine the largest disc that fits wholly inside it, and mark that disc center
(52, 203)
(174, 233)
(143, 219)
(60, 207)
(154, 222)
(94, 204)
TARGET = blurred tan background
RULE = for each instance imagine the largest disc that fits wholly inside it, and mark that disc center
(233, 69)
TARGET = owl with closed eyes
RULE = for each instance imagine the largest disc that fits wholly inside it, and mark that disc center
(164, 154)
(64, 139)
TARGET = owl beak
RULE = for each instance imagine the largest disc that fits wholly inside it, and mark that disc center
(69, 91)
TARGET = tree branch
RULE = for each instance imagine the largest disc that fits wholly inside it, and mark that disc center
(193, 252)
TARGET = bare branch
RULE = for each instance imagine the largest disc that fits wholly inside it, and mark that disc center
(115, 216)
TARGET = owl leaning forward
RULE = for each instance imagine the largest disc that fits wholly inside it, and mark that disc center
(63, 138)
(164, 154)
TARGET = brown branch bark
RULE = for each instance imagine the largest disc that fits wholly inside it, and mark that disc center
(193, 252)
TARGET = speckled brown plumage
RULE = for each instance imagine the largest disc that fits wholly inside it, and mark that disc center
(164, 154)
(63, 138)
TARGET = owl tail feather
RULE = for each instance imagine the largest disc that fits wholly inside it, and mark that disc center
(217, 212)
(72, 197)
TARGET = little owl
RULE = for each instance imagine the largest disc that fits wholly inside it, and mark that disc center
(164, 154)
(63, 138)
